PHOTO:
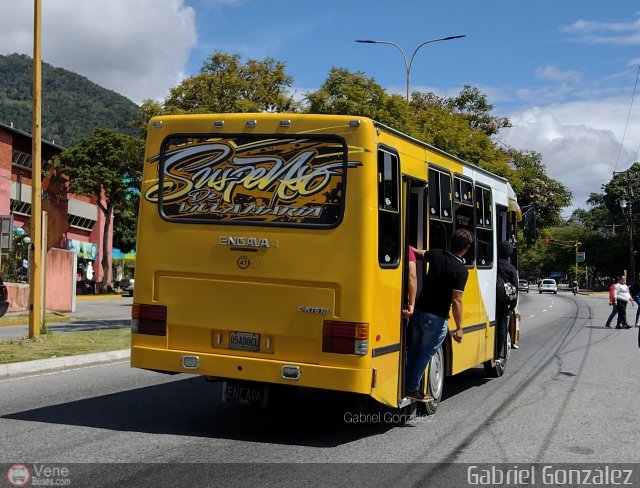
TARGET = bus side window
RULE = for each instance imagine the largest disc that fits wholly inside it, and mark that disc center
(440, 215)
(464, 216)
(388, 210)
(484, 227)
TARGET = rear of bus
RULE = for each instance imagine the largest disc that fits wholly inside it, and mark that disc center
(255, 251)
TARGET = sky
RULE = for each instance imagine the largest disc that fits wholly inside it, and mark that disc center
(563, 71)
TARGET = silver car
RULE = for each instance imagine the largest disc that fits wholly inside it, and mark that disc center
(549, 285)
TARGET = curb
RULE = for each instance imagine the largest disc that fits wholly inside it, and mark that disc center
(100, 297)
(15, 370)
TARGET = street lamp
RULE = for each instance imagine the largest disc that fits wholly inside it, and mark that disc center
(576, 245)
(409, 63)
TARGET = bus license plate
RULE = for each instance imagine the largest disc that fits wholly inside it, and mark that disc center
(244, 341)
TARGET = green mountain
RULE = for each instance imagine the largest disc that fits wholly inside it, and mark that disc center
(71, 104)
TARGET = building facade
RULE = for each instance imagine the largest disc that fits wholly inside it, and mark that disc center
(74, 221)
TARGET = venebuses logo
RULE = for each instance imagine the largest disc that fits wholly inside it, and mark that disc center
(18, 475)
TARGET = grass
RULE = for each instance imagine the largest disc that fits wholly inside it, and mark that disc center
(23, 319)
(64, 344)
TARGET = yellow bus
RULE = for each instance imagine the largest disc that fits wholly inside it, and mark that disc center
(272, 250)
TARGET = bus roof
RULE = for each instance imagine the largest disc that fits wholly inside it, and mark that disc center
(248, 115)
(440, 151)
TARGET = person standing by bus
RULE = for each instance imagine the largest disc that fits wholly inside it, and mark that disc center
(612, 299)
(412, 285)
(504, 307)
(441, 291)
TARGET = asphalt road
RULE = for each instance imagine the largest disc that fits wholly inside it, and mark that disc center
(570, 394)
(90, 314)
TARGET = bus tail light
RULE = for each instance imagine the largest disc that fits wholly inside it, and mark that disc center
(149, 319)
(345, 337)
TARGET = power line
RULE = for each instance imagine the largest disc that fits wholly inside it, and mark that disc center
(627, 124)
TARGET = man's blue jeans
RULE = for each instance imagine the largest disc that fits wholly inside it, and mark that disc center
(428, 332)
(614, 312)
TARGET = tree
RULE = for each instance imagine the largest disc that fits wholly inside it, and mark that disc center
(125, 221)
(347, 93)
(608, 220)
(439, 124)
(535, 187)
(473, 105)
(104, 165)
(226, 85)
(149, 109)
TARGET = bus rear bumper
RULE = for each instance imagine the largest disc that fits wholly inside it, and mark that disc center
(252, 369)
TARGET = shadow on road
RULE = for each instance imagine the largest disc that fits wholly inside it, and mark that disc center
(81, 325)
(471, 378)
(192, 407)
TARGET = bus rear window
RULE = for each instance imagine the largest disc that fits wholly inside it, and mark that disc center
(251, 179)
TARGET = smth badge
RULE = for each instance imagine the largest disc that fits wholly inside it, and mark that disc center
(243, 262)
(18, 475)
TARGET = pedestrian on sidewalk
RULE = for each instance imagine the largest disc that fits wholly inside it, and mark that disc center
(622, 297)
(614, 311)
(634, 289)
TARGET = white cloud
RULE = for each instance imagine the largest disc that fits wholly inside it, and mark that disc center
(579, 142)
(136, 48)
(593, 32)
(553, 73)
(593, 26)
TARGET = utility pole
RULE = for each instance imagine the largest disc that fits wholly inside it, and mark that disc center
(632, 258)
(35, 259)
(628, 206)
(576, 246)
(613, 228)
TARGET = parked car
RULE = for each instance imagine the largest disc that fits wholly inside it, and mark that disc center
(523, 285)
(4, 303)
(549, 285)
(126, 285)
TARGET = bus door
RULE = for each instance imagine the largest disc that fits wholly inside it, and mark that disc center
(505, 232)
(414, 193)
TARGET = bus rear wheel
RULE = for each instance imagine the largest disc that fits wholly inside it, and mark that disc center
(435, 383)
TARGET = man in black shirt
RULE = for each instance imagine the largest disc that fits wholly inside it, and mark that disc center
(441, 290)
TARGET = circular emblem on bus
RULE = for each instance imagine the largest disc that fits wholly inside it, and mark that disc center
(243, 262)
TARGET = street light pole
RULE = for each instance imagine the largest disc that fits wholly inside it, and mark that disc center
(632, 260)
(409, 62)
(628, 206)
(576, 245)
